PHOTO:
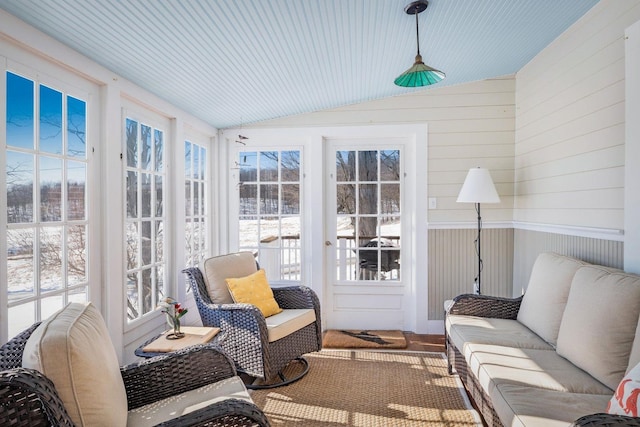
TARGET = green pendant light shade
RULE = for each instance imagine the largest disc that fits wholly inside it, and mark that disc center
(420, 74)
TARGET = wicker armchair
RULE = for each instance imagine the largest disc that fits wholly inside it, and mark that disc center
(244, 330)
(28, 398)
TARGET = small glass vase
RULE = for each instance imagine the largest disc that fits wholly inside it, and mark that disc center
(174, 323)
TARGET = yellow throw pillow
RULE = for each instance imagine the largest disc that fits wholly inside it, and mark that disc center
(254, 289)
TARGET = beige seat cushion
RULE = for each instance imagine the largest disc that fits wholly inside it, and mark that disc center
(184, 403)
(494, 365)
(519, 406)
(217, 269)
(73, 349)
(546, 295)
(485, 330)
(599, 323)
(288, 321)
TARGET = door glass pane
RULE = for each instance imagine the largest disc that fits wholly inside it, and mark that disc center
(290, 165)
(248, 199)
(20, 263)
(132, 143)
(368, 198)
(158, 152)
(50, 189)
(390, 165)
(268, 166)
(346, 198)
(290, 199)
(20, 178)
(77, 255)
(159, 193)
(76, 190)
(345, 165)
(50, 120)
(367, 165)
(76, 127)
(390, 198)
(269, 199)
(20, 112)
(145, 147)
(248, 167)
(51, 274)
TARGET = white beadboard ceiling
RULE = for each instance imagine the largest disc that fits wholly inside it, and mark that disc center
(231, 63)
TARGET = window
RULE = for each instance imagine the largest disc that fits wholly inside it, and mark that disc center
(145, 217)
(47, 218)
(196, 190)
(269, 210)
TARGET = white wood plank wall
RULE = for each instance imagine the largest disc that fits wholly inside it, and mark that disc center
(569, 151)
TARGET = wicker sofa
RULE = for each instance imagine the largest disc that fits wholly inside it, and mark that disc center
(554, 356)
(196, 386)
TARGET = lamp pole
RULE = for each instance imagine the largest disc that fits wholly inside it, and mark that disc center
(479, 248)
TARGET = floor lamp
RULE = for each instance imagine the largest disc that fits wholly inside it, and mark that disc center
(478, 188)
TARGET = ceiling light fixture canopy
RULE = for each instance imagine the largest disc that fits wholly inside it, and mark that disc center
(420, 74)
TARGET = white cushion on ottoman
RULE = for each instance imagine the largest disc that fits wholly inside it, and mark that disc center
(73, 349)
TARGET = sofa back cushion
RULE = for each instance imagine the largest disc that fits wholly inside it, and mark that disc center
(73, 349)
(634, 358)
(599, 322)
(216, 270)
(546, 295)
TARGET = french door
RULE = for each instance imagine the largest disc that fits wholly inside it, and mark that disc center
(367, 240)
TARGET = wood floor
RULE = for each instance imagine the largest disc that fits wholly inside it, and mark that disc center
(422, 342)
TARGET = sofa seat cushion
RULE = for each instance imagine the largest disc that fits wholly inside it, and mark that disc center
(519, 406)
(185, 403)
(599, 322)
(288, 321)
(73, 349)
(493, 365)
(485, 330)
(546, 295)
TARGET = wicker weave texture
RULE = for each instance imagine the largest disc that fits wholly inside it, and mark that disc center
(244, 329)
(471, 305)
(486, 306)
(29, 399)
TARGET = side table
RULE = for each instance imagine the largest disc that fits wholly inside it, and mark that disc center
(159, 345)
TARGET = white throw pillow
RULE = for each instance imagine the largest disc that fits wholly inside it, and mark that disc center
(73, 349)
(546, 295)
(599, 323)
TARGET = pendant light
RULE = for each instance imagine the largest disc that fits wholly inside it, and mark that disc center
(420, 74)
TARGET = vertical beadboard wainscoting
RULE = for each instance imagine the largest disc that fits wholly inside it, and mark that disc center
(529, 243)
(453, 264)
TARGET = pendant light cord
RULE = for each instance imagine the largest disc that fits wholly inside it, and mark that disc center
(417, 33)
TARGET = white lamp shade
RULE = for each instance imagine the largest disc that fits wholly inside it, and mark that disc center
(478, 188)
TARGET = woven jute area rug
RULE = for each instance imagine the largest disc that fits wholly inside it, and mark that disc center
(339, 338)
(369, 389)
